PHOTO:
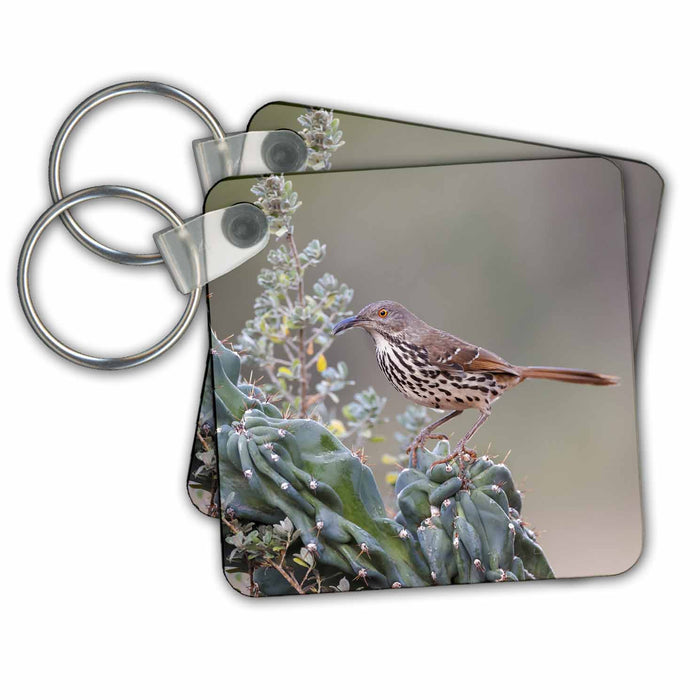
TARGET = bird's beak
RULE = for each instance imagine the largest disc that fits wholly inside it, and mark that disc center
(345, 324)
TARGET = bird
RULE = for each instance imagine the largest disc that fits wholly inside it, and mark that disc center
(433, 368)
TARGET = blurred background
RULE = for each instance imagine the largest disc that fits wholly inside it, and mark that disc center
(525, 258)
(384, 143)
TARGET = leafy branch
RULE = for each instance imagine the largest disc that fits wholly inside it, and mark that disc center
(276, 547)
(291, 330)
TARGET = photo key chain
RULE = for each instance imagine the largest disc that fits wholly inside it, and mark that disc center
(347, 441)
(371, 310)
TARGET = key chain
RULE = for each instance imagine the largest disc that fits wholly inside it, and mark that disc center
(301, 462)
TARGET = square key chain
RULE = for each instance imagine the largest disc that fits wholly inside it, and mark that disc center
(490, 345)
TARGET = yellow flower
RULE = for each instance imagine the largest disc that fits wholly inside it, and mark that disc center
(321, 363)
(337, 428)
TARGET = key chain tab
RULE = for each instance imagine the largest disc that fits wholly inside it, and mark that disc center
(208, 246)
(281, 151)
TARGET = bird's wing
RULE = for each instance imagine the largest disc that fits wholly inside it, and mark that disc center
(451, 353)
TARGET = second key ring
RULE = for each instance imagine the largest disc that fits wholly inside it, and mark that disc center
(98, 98)
(35, 321)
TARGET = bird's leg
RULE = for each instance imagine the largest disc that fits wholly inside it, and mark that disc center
(462, 448)
(427, 434)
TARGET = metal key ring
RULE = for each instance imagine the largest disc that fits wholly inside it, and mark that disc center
(100, 97)
(35, 321)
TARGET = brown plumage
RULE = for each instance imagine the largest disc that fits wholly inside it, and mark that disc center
(436, 369)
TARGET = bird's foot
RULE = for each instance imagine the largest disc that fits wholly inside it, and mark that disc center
(459, 454)
(420, 441)
(464, 450)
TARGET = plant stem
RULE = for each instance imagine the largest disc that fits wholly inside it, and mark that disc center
(251, 579)
(306, 575)
(287, 577)
(303, 381)
(287, 395)
(314, 359)
(206, 446)
(230, 525)
(214, 490)
(286, 345)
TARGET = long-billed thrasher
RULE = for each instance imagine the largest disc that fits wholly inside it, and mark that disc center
(433, 368)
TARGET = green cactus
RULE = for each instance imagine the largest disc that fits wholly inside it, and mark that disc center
(295, 499)
(468, 520)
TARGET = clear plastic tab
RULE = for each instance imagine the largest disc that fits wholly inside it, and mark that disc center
(249, 153)
(212, 244)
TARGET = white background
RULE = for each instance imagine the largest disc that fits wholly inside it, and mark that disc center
(111, 582)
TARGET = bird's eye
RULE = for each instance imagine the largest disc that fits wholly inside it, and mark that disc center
(382, 313)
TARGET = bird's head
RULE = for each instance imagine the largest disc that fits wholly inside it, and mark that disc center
(380, 317)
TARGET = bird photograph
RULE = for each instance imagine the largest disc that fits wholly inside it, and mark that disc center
(467, 281)
(436, 369)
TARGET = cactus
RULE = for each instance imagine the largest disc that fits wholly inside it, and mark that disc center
(294, 499)
(467, 520)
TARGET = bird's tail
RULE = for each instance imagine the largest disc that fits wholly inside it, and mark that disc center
(563, 374)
